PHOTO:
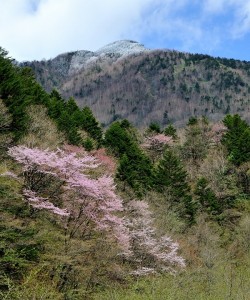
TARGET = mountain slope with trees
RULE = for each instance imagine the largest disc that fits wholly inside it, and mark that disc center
(125, 214)
(160, 86)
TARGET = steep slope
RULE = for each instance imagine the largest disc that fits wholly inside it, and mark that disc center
(125, 80)
(52, 73)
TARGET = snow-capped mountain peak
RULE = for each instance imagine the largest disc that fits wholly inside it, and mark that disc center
(113, 51)
(123, 47)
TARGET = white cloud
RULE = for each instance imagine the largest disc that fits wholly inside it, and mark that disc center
(62, 25)
(215, 6)
(176, 22)
(241, 25)
(36, 29)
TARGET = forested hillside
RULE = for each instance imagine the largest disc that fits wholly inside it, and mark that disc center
(161, 213)
(150, 86)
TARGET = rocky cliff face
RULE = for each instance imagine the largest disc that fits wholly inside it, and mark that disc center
(126, 80)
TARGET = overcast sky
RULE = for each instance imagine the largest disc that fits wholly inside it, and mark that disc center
(37, 29)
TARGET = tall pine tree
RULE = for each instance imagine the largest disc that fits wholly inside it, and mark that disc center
(171, 178)
(237, 139)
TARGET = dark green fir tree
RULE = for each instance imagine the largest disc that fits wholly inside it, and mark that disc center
(171, 179)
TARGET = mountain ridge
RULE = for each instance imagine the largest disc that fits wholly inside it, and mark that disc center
(84, 58)
(126, 80)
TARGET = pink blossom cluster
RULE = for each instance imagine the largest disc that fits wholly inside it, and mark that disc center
(95, 199)
(159, 253)
(161, 139)
(158, 141)
(98, 195)
(106, 161)
(217, 132)
(10, 174)
(43, 203)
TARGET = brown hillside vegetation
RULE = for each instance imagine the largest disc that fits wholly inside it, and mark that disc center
(153, 86)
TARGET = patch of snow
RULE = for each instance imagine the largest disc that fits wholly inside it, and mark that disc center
(70, 63)
(124, 47)
(80, 59)
(110, 52)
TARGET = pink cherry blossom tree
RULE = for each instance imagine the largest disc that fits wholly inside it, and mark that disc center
(92, 200)
(151, 253)
(156, 143)
(88, 203)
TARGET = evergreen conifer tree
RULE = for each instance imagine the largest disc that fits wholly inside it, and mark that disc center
(118, 139)
(71, 106)
(206, 196)
(197, 140)
(171, 177)
(90, 124)
(170, 131)
(171, 174)
(155, 127)
(88, 144)
(66, 124)
(237, 139)
(135, 168)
